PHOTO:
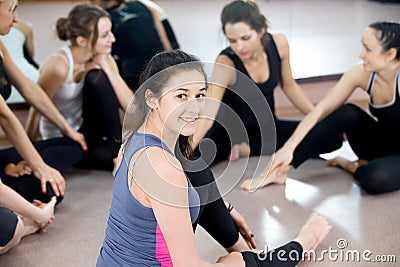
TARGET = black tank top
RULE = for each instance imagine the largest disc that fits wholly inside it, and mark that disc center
(388, 115)
(5, 85)
(267, 88)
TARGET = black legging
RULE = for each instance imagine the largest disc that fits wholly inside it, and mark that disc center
(59, 153)
(285, 256)
(8, 224)
(368, 140)
(284, 129)
(101, 128)
(215, 218)
(101, 122)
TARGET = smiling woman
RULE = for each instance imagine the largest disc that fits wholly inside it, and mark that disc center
(73, 77)
(375, 140)
(155, 206)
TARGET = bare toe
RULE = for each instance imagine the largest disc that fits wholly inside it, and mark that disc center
(331, 162)
(314, 231)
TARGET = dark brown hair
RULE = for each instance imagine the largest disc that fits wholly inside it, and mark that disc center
(388, 33)
(82, 21)
(161, 66)
(248, 12)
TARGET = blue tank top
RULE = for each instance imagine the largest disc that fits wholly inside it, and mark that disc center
(388, 115)
(5, 85)
(133, 236)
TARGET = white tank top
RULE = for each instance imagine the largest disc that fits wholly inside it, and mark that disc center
(68, 100)
(14, 41)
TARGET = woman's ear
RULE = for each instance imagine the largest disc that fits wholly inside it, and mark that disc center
(151, 100)
(391, 54)
(261, 32)
(82, 41)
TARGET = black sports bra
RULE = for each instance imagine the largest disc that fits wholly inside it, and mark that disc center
(388, 115)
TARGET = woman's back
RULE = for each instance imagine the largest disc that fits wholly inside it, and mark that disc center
(134, 30)
(137, 39)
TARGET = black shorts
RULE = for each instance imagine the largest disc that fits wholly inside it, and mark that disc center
(8, 224)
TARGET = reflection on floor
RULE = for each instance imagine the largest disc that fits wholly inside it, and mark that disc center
(361, 223)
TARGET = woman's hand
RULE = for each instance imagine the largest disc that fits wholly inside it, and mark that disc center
(45, 214)
(77, 137)
(45, 174)
(103, 61)
(275, 172)
(243, 228)
(279, 166)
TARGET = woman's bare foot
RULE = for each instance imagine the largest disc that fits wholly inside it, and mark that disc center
(263, 180)
(313, 232)
(349, 166)
(241, 150)
(46, 213)
(30, 226)
(18, 170)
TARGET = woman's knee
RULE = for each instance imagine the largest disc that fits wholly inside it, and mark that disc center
(377, 180)
(94, 76)
(18, 234)
(349, 113)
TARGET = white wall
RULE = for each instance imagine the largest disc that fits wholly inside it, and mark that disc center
(321, 42)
